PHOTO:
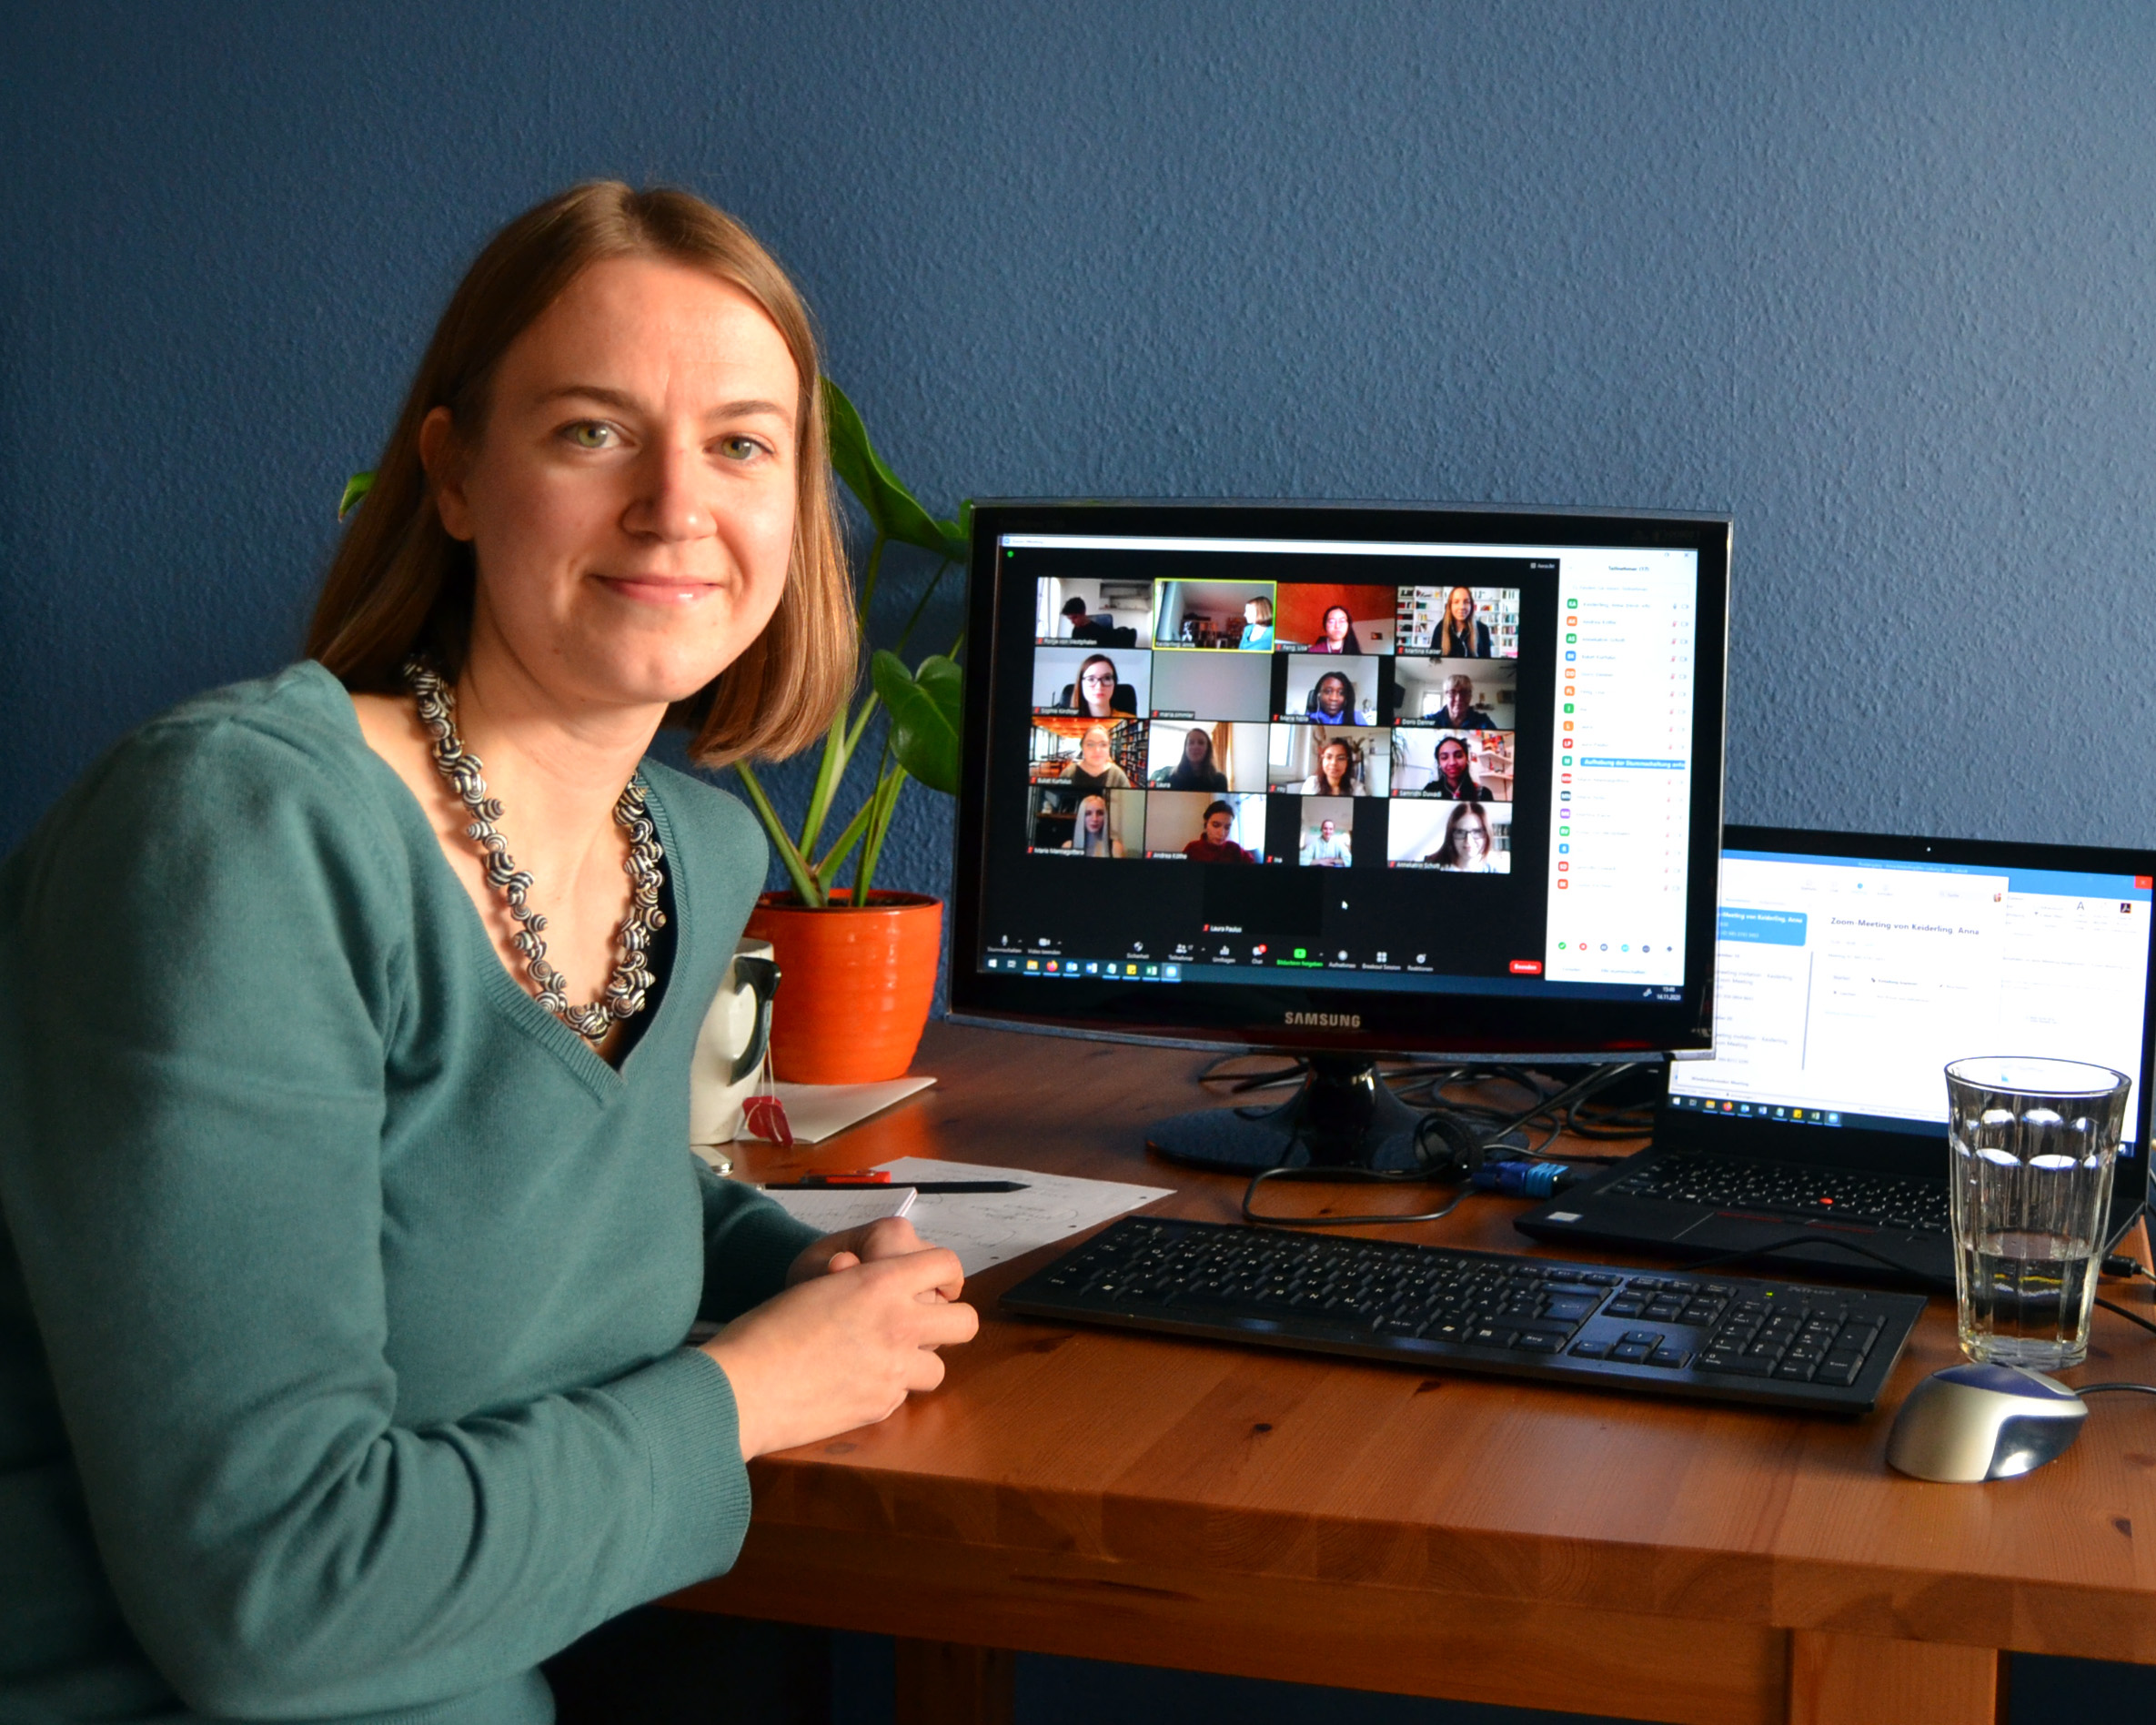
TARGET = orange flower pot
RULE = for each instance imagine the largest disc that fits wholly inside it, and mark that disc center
(854, 987)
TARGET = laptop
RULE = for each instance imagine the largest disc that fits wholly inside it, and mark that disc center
(1850, 969)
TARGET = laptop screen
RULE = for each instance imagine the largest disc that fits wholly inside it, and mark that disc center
(1843, 985)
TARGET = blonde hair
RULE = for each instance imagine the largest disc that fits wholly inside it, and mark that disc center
(1262, 606)
(400, 585)
(1446, 640)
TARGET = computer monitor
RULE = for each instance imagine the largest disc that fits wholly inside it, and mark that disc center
(1343, 780)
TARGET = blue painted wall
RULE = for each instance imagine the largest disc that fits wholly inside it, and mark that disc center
(1875, 277)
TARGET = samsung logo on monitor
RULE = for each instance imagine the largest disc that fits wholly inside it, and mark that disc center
(1325, 1021)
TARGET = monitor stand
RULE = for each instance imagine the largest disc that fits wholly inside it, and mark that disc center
(1343, 1117)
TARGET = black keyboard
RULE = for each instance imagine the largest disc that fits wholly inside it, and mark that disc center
(1799, 1191)
(1729, 1338)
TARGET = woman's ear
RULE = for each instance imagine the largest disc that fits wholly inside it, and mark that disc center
(439, 455)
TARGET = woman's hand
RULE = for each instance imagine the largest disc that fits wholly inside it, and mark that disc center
(891, 1237)
(846, 1348)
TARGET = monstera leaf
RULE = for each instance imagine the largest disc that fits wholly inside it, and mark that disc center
(891, 508)
(924, 708)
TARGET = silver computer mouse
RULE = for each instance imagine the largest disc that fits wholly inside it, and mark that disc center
(1971, 1423)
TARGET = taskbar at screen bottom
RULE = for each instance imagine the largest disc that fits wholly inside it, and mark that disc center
(1404, 980)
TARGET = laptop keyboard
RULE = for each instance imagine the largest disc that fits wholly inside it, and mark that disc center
(1801, 1190)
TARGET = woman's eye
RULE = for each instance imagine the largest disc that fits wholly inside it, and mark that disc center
(740, 448)
(591, 434)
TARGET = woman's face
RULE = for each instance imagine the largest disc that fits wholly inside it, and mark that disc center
(1457, 698)
(1092, 749)
(1096, 815)
(1452, 759)
(1336, 625)
(1471, 841)
(1250, 612)
(1333, 762)
(1196, 747)
(630, 499)
(1463, 607)
(1216, 827)
(1096, 689)
(1332, 694)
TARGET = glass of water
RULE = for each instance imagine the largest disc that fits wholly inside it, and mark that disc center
(2031, 1143)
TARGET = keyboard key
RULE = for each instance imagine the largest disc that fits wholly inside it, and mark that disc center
(1567, 1310)
(1492, 1336)
(1631, 1353)
(1540, 1342)
(1591, 1350)
(1645, 1338)
(1743, 1366)
(1670, 1356)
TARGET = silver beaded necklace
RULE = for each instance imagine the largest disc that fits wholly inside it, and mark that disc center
(632, 976)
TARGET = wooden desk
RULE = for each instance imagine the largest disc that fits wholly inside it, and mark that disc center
(1110, 1496)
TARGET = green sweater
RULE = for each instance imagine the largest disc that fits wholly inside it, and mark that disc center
(343, 1289)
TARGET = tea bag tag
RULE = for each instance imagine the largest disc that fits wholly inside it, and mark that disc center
(764, 1114)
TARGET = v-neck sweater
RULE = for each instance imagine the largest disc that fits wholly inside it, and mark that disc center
(343, 1288)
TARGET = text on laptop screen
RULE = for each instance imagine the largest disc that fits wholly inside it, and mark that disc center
(1844, 986)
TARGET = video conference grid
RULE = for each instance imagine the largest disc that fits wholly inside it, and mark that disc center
(1231, 723)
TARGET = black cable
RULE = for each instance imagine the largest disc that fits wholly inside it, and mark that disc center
(2098, 1389)
(1935, 1284)
(2131, 1317)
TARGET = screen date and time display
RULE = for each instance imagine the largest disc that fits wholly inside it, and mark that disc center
(1453, 768)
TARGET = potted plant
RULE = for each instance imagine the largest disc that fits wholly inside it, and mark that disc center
(859, 963)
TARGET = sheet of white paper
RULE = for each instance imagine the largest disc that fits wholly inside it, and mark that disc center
(993, 1228)
(848, 1206)
(817, 1112)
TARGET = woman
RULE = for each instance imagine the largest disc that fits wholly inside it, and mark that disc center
(1339, 634)
(1097, 693)
(1092, 837)
(1257, 625)
(1466, 849)
(360, 1257)
(1332, 703)
(1454, 778)
(1457, 634)
(1196, 771)
(1336, 771)
(1216, 846)
(1095, 769)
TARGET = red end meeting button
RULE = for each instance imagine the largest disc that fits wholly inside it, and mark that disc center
(1526, 967)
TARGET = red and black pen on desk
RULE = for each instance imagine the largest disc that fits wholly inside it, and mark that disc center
(882, 1176)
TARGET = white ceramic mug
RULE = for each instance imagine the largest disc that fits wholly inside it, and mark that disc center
(730, 1047)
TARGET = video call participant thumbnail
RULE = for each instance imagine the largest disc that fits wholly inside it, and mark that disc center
(1460, 622)
(1059, 821)
(1213, 614)
(1093, 684)
(1331, 760)
(1212, 757)
(1328, 834)
(1323, 690)
(1230, 829)
(1209, 688)
(1454, 838)
(1331, 617)
(1090, 753)
(1476, 767)
(1457, 694)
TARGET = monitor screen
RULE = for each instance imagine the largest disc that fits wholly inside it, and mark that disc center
(1846, 982)
(1282, 775)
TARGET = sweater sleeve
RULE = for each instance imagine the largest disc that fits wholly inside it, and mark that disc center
(202, 965)
(750, 1243)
